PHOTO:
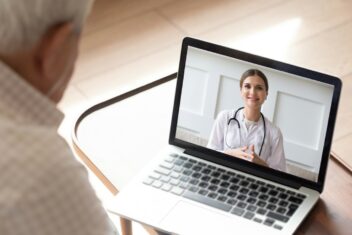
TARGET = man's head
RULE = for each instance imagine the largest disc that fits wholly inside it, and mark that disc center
(39, 40)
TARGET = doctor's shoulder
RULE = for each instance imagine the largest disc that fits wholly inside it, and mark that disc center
(224, 115)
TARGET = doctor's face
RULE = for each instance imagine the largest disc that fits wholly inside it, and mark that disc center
(253, 92)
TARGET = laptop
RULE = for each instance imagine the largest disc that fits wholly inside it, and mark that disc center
(191, 187)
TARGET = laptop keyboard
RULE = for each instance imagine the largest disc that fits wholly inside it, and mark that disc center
(225, 190)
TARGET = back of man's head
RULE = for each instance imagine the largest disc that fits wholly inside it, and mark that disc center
(23, 22)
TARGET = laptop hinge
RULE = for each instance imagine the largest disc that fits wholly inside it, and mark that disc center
(221, 160)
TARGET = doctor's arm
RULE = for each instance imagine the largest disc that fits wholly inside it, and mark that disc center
(277, 158)
(216, 139)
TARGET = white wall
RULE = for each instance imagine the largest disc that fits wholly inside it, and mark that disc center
(299, 107)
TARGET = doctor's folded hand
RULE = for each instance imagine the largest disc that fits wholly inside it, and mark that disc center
(244, 154)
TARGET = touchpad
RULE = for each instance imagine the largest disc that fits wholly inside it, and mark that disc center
(188, 218)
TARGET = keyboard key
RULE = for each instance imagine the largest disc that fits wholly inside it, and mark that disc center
(281, 210)
(277, 216)
(273, 192)
(222, 198)
(157, 184)
(232, 194)
(257, 220)
(242, 205)
(196, 175)
(271, 207)
(207, 201)
(248, 215)
(212, 195)
(240, 176)
(187, 165)
(187, 172)
(192, 161)
(253, 194)
(283, 203)
(251, 200)
(225, 184)
(177, 190)
(175, 175)
(155, 175)
(193, 189)
(269, 222)
(222, 191)
(215, 174)
(231, 201)
(225, 177)
(261, 203)
(174, 155)
(295, 199)
(263, 197)
(213, 187)
(162, 171)
(234, 180)
(203, 192)
(184, 178)
(244, 183)
(301, 196)
(254, 186)
(291, 209)
(205, 178)
(273, 200)
(241, 197)
(234, 187)
(279, 227)
(179, 162)
(203, 184)
(183, 158)
(237, 211)
(169, 159)
(215, 181)
(251, 208)
(283, 196)
(148, 181)
(263, 189)
(206, 171)
(166, 187)
(261, 211)
(244, 190)
(196, 168)
(167, 165)
(174, 182)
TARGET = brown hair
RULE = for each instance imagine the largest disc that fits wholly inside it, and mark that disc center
(252, 72)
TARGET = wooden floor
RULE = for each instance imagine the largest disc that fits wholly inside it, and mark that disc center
(127, 43)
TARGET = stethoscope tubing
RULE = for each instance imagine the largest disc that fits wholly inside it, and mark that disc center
(239, 128)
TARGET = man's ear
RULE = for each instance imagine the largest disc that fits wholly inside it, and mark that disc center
(50, 49)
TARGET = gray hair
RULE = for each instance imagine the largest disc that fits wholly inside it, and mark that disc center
(24, 22)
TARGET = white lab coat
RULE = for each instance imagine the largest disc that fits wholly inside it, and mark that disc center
(224, 136)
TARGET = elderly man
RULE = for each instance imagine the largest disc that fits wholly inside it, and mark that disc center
(43, 189)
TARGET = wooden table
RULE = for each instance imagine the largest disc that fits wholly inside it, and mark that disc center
(111, 137)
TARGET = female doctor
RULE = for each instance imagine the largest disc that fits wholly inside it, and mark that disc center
(245, 133)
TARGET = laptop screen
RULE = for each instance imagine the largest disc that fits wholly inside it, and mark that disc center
(255, 111)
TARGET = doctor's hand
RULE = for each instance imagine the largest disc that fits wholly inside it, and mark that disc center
(240, 153)
(244, 154)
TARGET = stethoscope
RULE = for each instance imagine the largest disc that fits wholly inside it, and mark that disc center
(239, 128)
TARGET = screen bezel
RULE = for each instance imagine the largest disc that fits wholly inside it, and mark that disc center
(223, 159)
